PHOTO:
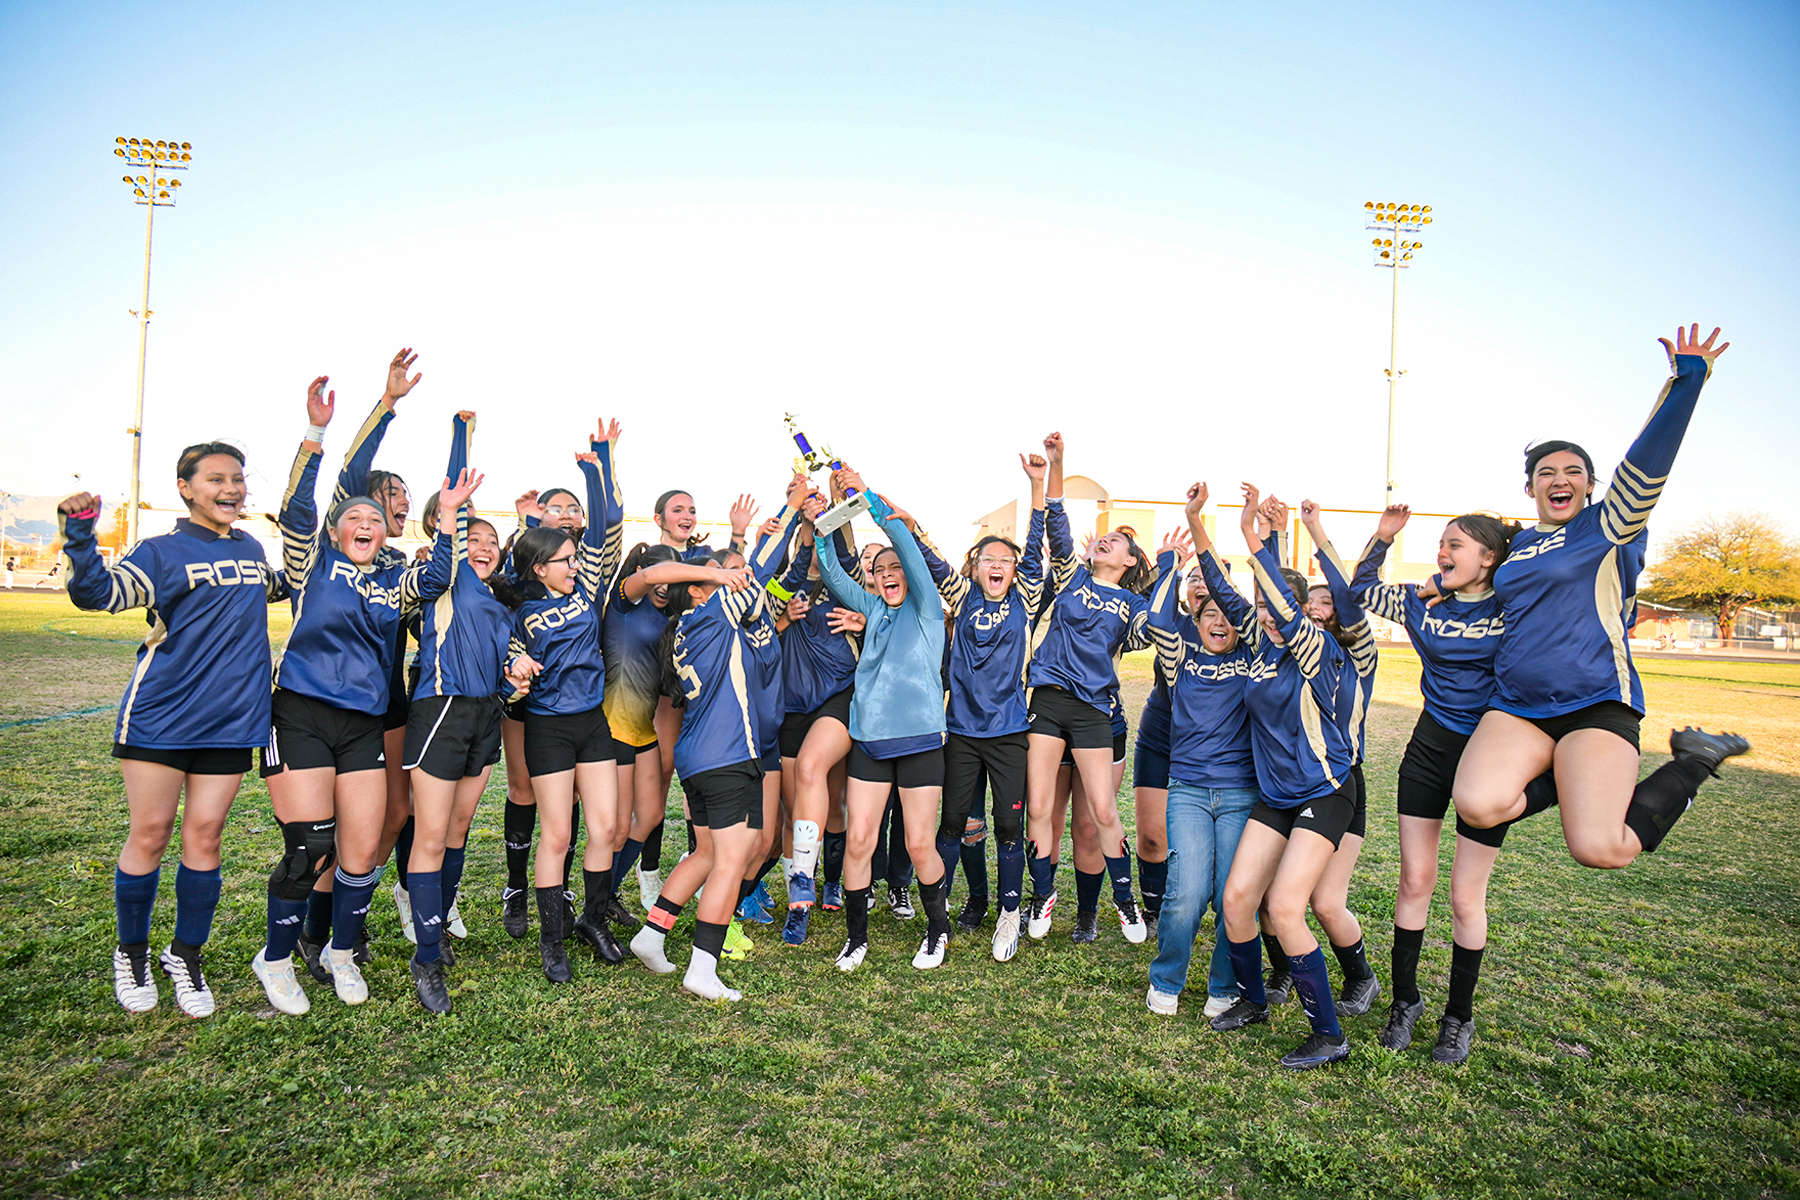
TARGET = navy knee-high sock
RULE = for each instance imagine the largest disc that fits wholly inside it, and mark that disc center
(1153, 881)
(831, 856)
(974, 865)
(427, 893)
(1313, 984)
(1087, 890)
(1246, 964)
(134, 898)
(350, 896)
(318, 916)
(1043, 876)
(1118, 869)
(454, 857)
(196, 899)
(403, 854)
(627, 859)
(285, 917)
(1010, 860)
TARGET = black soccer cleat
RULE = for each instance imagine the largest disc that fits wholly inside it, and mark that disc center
(1692, 744)
(1087, 928)
(1318, 1050)
(1278, 985)
(618, 914)
(1454, 1037)
(310, 953)
(1357, 996)
(514, 917)
(1242, 1013)
(1398, 1033)
(362, 953)
(599, 935)
(428, 979)
(973, 915)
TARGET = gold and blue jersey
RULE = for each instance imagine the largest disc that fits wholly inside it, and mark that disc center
(1567, 591)
(1356, 682)
(631, 633)
(202, 674)
(1207, 721)
(1085, 627)
(816, 663)
(465, 629)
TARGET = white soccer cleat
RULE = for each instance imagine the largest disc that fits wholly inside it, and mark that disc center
(281, 985)
(346, 976)
(649, 887)
(403, 905)
(135, 989)
(852, 955)
(931, 952)
(453, 921)
(192, 996)
(1006, 935)
(1037, 924)
(1163, 1004)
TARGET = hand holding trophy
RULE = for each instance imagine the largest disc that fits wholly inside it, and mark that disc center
(810, 460)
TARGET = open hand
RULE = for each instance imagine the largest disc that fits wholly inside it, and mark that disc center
(320, 404)
(397, 382)
(605, 431)
(1181, 544)
(845, 620)
(455, 493)
(742, 513)
(736, 579)
(1687, 341)
(1252, 505)
(1393, 520)
(527, 507)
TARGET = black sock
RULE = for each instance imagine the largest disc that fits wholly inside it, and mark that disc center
(1407, 943)
(693, 842)
(574, 834)
(403, 852)
(764, 869)
(1540, 794)
(1153, 881)
(1465, 973)
(1278, 959)
(856, 912)
(597, 886)
(1353, 961)
(833, 856)
(709, 937)
(1660, 800)
(318, 916)
(975, 869)
(550, 914)
(517, 824)
(936, 898)
(652, 857)
(1087, 890)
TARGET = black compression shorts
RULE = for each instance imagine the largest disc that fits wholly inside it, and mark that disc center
(453, 737)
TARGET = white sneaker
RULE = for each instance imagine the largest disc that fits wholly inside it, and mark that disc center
(649, 887)
(453, 921)
(851, 956)
(1006, 935)
(1038, 923)
(136, 993)
(281, 985)
(931, 952)
(346, 976)
(1217, 1004)
(403, 905)
(192, 996)
(1162, 1003)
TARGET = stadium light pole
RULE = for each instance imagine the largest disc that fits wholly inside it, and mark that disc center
(1394, 219)
(153, 190)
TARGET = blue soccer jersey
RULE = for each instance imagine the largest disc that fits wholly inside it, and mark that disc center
(1300, 747)
(1567, 591)
(715, 663)
(764, 642)
(353, 480)
(631, 633)
(562, 633)
(465, 629)
(816, 663)
(202, 675)
(990, 640)
(1207, 724)
(1456, 641)
(1356, 683)
(1086, 625)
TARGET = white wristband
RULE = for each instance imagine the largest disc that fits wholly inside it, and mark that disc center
(315, 433)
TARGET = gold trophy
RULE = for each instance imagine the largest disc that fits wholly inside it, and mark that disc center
(810, 460)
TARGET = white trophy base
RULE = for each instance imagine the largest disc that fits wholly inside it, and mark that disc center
(841, 513)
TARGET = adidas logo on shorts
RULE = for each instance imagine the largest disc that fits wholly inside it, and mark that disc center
(1307, 811)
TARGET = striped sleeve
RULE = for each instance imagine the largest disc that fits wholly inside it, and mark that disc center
(1062, 545)
(299, 519)
(1171, 647)
(1385, 600)
(1240, 612)
(94, 585)
(1029, 578)
(1638, 482)
(353, 478)
(1305, 641)
(1351, 617)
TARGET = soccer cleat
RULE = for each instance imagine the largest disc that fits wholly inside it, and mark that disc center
(851, 956)
(568, 911)
(403, 906)
(192, 996)
(764, 902)
(599, 935)
(974, 913)
(1691, 744)
(1317, 1050)
(363, 952)
(1279, 985)
(1006, 935)
(1241, 1013)
(931, 951)
(281, 985)
(1216, 1005)
(794, 931)
(750, 909)
(428, 979)
(1398, 1033)
(513, 915)
(737, 943)
(1087, 928)
(1150, 927)
(1454, 1037)
(801, 891)
(346, 977)
(1357, 996)
(618, 914)
(453, 922)
(446, 953)
(900, 901)
(1037, 923)
(1163, 1004)
(831, 896)
(649, 887)
(1131, 922)
(132, 984)
(312, 954)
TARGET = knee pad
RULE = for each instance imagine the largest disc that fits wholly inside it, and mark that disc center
(311, 851)
(1494, 837)
(975, 833)
(1008, 826)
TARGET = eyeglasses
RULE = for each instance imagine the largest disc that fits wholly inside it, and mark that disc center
(988, 560)
(551, 562)
(560, 510)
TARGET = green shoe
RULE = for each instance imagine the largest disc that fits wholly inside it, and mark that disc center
(737, 943)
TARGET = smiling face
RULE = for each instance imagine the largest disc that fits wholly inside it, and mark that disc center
(677, 519)
(563, 511)
(1266, 619)
(1319, 606)
(1465, 563)
(888, 579)
(557, 573)
(995, 568)
(396, 502)
(1217, 635)
(1561, 485)
(484, 548)
(215, 495)
(1114, 551)
(360, 533)
(1194, 591)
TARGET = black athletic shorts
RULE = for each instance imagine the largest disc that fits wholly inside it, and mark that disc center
(1149, 764)
(305, 733)
(1328, 816)
(1359, 819)
(922, 769)
(453, 737)
(1609, 715)
(557, 742)
(626, 755)
(1428, 775)
(726, 796)
(1056, 712)
(1118, 748)
(192, 761)
(395, 716)
(795, 726)
(515, 709)
(969, 763)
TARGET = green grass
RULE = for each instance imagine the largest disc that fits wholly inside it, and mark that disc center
(1634, 1028)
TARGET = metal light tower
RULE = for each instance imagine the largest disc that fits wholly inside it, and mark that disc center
(1393, 219)
(153, 190)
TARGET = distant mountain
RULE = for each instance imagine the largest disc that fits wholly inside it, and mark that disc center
(29, 518)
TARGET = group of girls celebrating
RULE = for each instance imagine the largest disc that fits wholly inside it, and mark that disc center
(806, 696)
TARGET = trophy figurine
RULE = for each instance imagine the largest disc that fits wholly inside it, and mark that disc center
(810, 460)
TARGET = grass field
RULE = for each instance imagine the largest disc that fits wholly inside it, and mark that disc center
(1634, 1028)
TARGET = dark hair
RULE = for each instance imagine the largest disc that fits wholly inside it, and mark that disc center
(1494, 534)
(1140, 576)
(1537, 452)
(428, 514)
(382, 480)
(681, 602)
(533, 548)
(968, 567)
(647, 554)
(188, 465)
(662, 501)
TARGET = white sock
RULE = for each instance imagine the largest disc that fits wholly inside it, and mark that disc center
(703, 980)
(806, 848)
(648, 946)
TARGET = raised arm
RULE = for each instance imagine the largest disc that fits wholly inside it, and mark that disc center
(1350, 615)
(845, 590)
(1638, 482)
(298, 516)
(93, 584)
(1305, 641)
(353, 478)
(1165, 625)
(1387, 600)
(604, 536)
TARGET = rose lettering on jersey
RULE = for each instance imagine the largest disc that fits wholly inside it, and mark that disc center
(1215, 671)
(362, 585)
(556, 618)
(1095, 602)
(1553, 542)
(985, 620)
(1474, 630)
(228, 573)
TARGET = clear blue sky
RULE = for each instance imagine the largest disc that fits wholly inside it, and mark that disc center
(935, 230)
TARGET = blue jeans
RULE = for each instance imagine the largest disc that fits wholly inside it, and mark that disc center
(1204, 827)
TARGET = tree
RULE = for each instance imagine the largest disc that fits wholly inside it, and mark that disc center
(1722, 564)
